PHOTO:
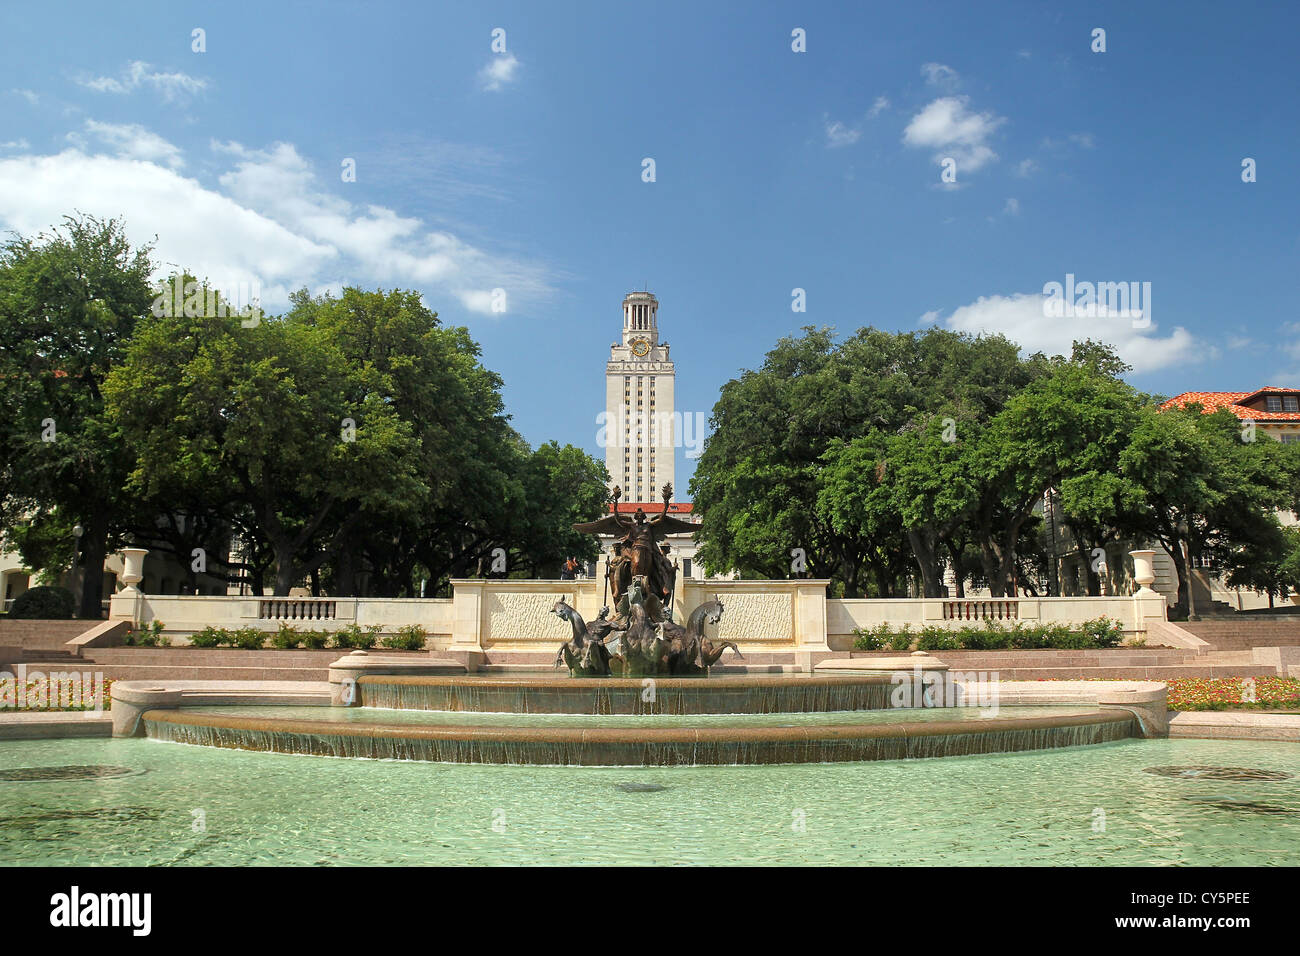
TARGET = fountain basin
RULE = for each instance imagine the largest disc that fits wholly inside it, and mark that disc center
(595, 745)
(614, 695)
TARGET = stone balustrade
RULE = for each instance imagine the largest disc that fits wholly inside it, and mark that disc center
(792, 615)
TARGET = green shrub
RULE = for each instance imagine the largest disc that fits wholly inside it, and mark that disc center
(901, 640)
(43, 603)
(1104, 631)
(408, 638)
(210, 637)
(936, 638)
(871, 638)
(1059, 637)
(250, 638)
(150, 635)
(357, 637)
(990, 636)
(1028, 637)
(314, 640)
(286, 638)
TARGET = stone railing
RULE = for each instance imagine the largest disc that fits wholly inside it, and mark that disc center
(991, 609)
(511, 613)
(296, 609)
(1134, 612)
(182, 615)
(503, 613)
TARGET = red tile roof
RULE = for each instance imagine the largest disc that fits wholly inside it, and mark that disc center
(1213, 401)
(654, 507)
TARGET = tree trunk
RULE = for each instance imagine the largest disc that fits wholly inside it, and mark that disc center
(927, 563)
(989, 561)
(1180, 568)
(94, 548)
(285, 568)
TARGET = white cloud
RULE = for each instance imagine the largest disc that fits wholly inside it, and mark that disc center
(947, 125)
(1021, 318)
(271, 224)
(28, 95)
(838, 134)
(937, 74)
(879, 106)
(500, 70)
(1026, 168)
(135, 142)
(174, 87)
(15, 144)
(1012, 207)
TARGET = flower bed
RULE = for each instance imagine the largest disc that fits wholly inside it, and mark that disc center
(1231, 693)
(43, 695)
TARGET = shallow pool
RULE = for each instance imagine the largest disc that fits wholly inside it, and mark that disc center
(1086, 806)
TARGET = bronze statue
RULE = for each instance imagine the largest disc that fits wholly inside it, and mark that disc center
(584, 653)
(641, 639)
(614, 572)
(640, 544)
(643, 647)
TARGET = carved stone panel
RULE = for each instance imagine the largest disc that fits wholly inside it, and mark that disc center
(752, 617)
(523, 616)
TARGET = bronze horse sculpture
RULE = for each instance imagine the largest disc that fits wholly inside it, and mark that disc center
(644, 647)
(584, 654)
(690, 652)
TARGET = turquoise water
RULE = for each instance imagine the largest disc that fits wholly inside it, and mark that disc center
(1036, 807)
(376, 715)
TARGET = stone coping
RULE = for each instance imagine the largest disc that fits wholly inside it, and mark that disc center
(1013, 692)
(132, 698)
(870, 665)
(360, 662)
(1234, 725)
(721, 682)
(47, 724)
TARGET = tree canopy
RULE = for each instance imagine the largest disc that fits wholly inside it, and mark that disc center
(878, 460)
(354, 443)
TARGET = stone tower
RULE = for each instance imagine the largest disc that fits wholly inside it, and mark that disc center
(640, 428)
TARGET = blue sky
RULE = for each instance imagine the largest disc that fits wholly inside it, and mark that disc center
(775, 170)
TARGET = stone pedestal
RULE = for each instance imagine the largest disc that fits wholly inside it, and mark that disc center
(125, 604)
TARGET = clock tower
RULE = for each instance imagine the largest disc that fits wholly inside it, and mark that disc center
(640, 431)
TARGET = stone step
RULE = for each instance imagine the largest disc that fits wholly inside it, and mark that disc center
(47, 634)
(163, 672)
(223, 657)
(1135, 673)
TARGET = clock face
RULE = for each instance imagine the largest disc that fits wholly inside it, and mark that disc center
(640, 347)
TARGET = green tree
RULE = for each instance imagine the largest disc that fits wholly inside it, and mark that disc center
(268, 424)
(1207, 492)
(69, 302)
